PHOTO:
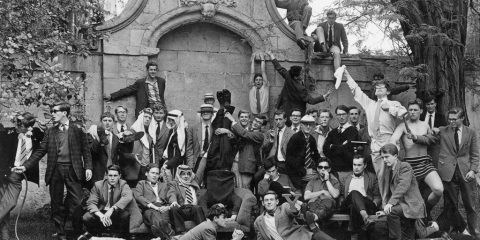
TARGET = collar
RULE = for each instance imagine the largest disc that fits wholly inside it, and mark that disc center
(394, 166)
(382, 99)
(361, 175)
(345, 126)
(433, 113)
(150, 80)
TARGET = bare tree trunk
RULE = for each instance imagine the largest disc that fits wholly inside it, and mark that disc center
(436, 33)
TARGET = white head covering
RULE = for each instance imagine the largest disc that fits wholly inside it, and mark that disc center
(184, 168)
(179, 119)
(139, 127)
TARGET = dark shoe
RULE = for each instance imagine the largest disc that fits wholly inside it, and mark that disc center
(367, 223)
(85, 236)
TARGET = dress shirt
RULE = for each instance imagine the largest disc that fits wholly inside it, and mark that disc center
(357, 183)
(64, 126)
(345, 126)
(280, 156)
(28, 146)
(433, 119)
(264, 96)
(203, 132)
(119, 127)
(460, 131)
(155, 190)
(153, 91)
(271, 227)
(293, 128)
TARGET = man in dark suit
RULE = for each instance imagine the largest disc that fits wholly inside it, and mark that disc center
(198, 141)
(301, 154)
(148, 91)
(338, 144)
(457, 167)
(435, 120)
(121, 120)
(69, 163)
(279, 138)
(106, 205)
(294, 92)
(16, 145)
(298, 16)
(161, 130)
(354, 116)
(152, 198)
(361, 193)
(404, 200)
(330, 34)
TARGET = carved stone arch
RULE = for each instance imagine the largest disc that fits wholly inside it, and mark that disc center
(225, 17)
(132, 10)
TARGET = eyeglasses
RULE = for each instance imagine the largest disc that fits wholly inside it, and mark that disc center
(323, 167)
(295, 115)
(55, 111)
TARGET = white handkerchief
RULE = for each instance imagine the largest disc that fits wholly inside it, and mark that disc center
(339, 75)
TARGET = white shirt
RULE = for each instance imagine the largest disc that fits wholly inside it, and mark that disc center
(357, 183)
(271, 227)
(264, 96)
(433, 118)
(155, 190)
(28, 146)
(460, 131)
(298, 128)
(280, 156)
(345, 126)
(119, 127)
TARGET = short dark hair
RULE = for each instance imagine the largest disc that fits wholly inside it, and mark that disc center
(63, 106)
(378, 75)
(312, 110)
(387, 84)
(359, 156)
(107, 114)
(114, 167)
(280, 112)
(331, 12)
(457, 110)
(296, 110)
(269, 163)
(295, 71)
(263, 119)
(152, 165)
(324, 110)
(120, 106)
(389, 148)
(28, 120)
(271, 192)
(158, 107)
(149, 64)
(216, 210)
(354, 107)
(241, 111)
(341, 107)
(257, 75)
(416, 101)
(324, 159)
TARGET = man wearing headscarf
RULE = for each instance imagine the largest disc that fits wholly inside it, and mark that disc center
(174, 153)
(184, 194)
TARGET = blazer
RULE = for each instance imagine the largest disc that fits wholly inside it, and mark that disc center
(467, 157)
(286, 225)
(194, 143)
(287, 134)
(122, 195)
(340, 155)
(100, 157)
(403, 190)
(249, 156)
(140, 90)
(339, 35)
(79, 152)
(295, 158)
(439, 121)
(8, 152)
(177, 193)
(370, 184)
(144, 194)
(161, 143)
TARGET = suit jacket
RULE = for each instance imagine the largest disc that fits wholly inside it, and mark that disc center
(340, 155)
(99, 153)
(194, 143)
(8, 152)
(79, 152)
(287, 226)
(339, 35)
(467, 157)
(249, 156)
(287, 134)
(439, 121)
(140, 90)
(144, 194)
(295, 158)
(370, 184)
(161, 143)
(122, 195)
(203, 231)
(177, 193)
(403, 190)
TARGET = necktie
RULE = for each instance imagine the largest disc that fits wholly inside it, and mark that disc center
(376, 119)
(23, 151)
(430, 120)
(122, 128)
(295, 129)
(205, 140)
(330, 36)
(110, 197)
(157, 132)
(455, 136)
(188, 195)
(308, 154)
(257, 95)
(278, 143)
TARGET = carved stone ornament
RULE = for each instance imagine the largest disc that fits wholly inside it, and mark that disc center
(227, 3)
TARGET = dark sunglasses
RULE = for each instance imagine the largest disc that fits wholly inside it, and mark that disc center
(55, 111)
(323, 167)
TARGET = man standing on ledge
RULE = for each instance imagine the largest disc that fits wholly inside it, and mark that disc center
(298, 16)
(68, 164)
(148, 91)
(294, 93)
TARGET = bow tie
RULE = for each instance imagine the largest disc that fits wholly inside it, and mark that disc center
(271, 212)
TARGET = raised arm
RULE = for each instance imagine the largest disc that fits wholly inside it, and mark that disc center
(264, 73)
(251, 81)
(397, 134)
(357, 92)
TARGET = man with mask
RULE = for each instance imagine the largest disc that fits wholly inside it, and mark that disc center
(184, 193)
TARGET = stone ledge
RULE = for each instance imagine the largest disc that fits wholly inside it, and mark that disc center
(130, 50)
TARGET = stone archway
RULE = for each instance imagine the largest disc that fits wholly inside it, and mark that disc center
(203, 57)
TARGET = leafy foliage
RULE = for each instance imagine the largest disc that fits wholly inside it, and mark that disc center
(33, 35)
